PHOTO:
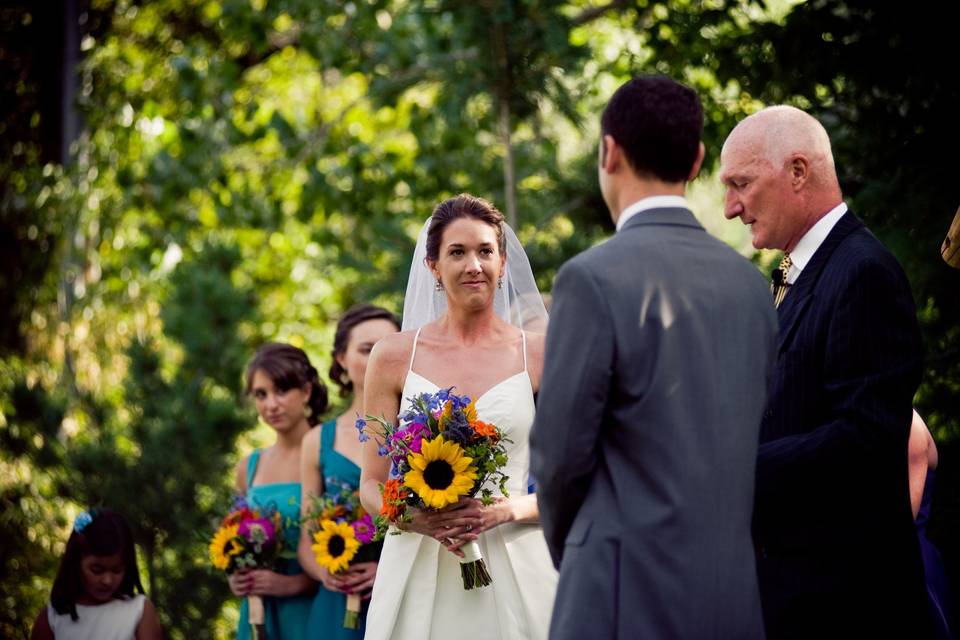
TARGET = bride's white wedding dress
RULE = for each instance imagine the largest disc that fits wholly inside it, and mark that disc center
(419, 594)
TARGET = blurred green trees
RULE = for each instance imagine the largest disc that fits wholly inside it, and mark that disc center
(249, 168)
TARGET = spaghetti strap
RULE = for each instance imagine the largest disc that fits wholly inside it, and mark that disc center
(413, 352)
(328, 433)
(252, 467)
(523, 334)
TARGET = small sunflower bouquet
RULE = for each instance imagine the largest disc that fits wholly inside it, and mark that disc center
(249, 538)
(343, 534)
(439, 453)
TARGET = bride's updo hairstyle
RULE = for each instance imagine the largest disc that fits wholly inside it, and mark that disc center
(462, 206)
(288, 367)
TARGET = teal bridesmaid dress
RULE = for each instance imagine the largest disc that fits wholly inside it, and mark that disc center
(326, 614)
(284, 618)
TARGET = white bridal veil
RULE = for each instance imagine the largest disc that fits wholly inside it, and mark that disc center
(518, 301)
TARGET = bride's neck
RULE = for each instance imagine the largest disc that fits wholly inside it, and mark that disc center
(470, 325)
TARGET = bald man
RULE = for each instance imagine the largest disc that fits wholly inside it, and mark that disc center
(837, 553)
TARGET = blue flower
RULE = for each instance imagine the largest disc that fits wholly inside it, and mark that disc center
(382, 450)
(458, 429)
(82, 520)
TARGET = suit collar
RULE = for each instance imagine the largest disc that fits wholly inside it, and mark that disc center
(802, 291)
(676, 216)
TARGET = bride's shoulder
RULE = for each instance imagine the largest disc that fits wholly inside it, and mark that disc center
(393, 349)
(535, 345)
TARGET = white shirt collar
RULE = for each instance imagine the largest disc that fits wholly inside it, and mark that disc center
(811, 241)
(652, 202)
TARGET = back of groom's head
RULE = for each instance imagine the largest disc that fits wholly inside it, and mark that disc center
(657, 121)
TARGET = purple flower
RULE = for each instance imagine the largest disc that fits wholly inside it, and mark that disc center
(361, 424)
(257, 529)
(364, 529)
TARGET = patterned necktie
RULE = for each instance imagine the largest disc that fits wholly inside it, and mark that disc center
(779, 284)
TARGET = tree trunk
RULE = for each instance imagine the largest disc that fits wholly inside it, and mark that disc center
(509, 179)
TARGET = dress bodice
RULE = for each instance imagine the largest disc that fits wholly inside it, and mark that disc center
(338, 470)
(284, 496)
(509, 405)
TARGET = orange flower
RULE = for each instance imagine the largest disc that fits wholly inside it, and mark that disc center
(333, 512)
(485, 430)
(394, 494)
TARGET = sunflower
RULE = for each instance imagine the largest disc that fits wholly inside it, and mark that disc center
(440, 473)
(336, 545)
(224, 546)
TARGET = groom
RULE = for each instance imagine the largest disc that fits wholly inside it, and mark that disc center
(658, 350)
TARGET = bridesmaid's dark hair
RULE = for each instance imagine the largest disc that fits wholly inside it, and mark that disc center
(104, 534)
(462, 206)
(288, 367)
(355, 315)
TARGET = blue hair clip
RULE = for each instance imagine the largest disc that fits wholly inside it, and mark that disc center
(82, 520)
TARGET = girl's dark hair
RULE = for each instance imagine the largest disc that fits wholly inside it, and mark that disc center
(288, 367)
(357, 314)
(462, 206)
(108, 533)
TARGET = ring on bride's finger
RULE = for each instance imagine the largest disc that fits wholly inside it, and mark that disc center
(469, 527)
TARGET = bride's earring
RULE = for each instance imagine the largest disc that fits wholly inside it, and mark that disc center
(499, 282)
(438, 286)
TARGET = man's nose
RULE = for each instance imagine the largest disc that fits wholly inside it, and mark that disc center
(731, 206)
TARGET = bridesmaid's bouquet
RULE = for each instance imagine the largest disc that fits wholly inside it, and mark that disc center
(248, 538)
(343, 533)
(439, 452)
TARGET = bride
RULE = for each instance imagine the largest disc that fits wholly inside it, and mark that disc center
(469, 297)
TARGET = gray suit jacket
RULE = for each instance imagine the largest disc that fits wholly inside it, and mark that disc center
(659, 348)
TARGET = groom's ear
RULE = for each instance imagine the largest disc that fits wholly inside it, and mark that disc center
(695, 169)
(610, 154)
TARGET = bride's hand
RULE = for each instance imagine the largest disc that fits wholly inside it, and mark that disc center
(438, 524)
(470, 519)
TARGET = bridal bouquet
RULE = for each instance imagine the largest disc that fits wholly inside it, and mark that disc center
(343, 533)
(439, 452)
(248, 538)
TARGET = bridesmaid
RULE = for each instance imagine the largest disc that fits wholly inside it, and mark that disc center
(290, 398)
(330, 458)
(923, 458)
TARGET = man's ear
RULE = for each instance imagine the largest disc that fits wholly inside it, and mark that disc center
(697, 163)
(611, 154)
(799, 167)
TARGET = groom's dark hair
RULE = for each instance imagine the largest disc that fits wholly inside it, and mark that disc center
(657, 121)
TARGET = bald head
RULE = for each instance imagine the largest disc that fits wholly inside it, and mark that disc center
(775, 134)
(778, 170)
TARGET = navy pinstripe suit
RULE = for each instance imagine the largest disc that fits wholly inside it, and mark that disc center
(837, 553)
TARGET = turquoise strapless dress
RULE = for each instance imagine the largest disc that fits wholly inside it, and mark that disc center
(284, 618)
(326, 614)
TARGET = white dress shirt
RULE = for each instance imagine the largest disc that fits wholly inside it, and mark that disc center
(811, 241)
(652, 202)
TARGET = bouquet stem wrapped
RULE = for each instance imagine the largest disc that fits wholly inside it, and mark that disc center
(440, 452)
(255, 617)
(473, 570)
(351, 616)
